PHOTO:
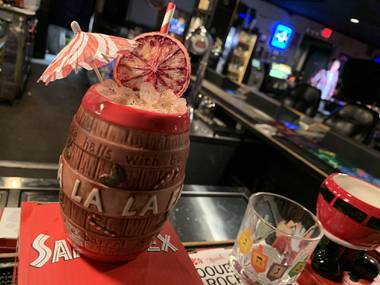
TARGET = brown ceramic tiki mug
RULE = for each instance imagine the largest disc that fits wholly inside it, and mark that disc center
(121, 171)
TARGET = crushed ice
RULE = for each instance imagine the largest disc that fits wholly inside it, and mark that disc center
(148, 98)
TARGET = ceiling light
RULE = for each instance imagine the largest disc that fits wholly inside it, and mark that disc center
(354, 20)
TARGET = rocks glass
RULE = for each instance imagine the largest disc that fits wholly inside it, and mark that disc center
(275, 240)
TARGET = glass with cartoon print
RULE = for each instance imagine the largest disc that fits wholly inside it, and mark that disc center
(275, 240)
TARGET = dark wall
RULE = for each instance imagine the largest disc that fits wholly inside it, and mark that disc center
(360, 81)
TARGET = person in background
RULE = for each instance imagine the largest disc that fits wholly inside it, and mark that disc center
(326, 80)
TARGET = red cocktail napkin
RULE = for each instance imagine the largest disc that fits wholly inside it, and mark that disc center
(45, 257)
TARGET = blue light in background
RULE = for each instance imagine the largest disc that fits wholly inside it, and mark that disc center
(290, 125)
(377, 59)
(281, 36)
(177, 26)
(243, 15)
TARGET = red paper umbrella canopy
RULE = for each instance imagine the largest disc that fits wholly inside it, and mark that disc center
(87, 50)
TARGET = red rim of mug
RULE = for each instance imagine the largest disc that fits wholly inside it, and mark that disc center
(128, 117)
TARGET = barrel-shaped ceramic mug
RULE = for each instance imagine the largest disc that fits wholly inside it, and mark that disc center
(121, 171)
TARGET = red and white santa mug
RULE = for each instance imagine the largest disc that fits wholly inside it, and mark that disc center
(349, 210)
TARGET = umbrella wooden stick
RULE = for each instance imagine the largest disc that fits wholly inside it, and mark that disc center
(76, 29)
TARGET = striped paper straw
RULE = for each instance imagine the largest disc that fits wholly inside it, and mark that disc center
(168, 16)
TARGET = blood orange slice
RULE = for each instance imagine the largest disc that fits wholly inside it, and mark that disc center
(159, 59)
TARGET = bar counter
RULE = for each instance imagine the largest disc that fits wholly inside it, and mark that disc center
(255, 109)
(204, 215)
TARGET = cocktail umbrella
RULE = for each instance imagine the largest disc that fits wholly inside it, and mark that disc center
(87, 50)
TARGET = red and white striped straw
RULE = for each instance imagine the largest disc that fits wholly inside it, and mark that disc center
(168, 16)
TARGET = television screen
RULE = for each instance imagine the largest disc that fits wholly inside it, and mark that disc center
(281, 36)
(280, 71)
